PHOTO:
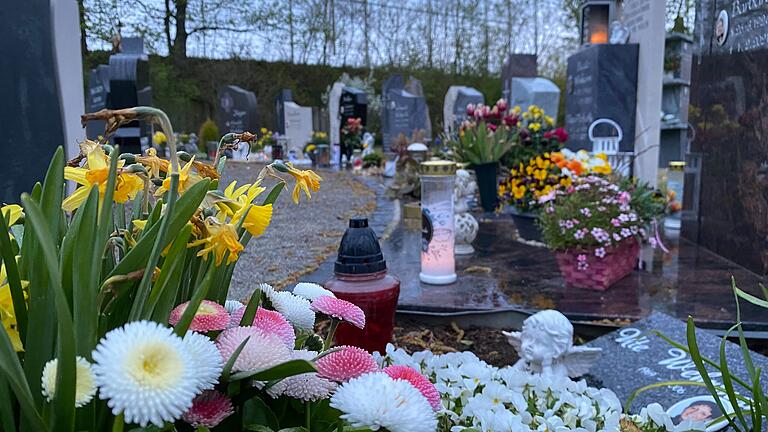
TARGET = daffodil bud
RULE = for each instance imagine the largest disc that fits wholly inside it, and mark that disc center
(129, 158)
(108, 149)
(136, 168)
(186, 157)
(279, 165)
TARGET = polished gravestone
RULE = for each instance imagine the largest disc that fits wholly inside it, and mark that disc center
(729, 90)
(237, 110)
(403, 112)
(635, 356)
(457, 98)
(601, 83)
(517, 66)
(535, 91)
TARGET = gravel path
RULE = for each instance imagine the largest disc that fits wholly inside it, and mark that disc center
(300, 237)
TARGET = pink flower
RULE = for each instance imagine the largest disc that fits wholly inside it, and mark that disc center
(492, 127)
(510, 120)
(262, 351)
(470, 110)
(502, 105)
(615, 222)
(417, 380)
(210, 316)
(268, 321)
(340, 309)
(600, 252)
(624, 198)
(209, 409)
(346, 363)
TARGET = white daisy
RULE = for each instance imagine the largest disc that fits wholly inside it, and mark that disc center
(311, 291)
(146, 372)
(85, 387)
(295, 309)
(306, 387)
(209, 361)
(376, 401)
(232, 305)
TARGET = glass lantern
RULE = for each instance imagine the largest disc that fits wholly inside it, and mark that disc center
(438, 265)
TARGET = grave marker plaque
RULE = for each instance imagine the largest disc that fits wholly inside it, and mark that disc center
(633, 357)
(237, 110)
(285, 95)
(601, 83)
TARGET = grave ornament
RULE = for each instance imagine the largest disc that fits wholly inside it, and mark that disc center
(545, 346)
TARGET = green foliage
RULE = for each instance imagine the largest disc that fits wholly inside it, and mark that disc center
(208, 132)
(478, 145)
(374, 159)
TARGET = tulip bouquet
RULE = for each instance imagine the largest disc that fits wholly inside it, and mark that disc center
(113, 301)
(486, 136)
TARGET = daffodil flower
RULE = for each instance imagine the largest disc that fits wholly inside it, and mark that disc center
(96, 173)
(7, 313)
(154, 164)
(306, 180)
(256, 217)
(186, 179)
(222, 238)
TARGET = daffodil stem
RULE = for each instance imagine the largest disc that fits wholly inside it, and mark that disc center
(331, 333)
(118, 424)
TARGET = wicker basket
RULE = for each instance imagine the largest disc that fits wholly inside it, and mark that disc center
(598, 273)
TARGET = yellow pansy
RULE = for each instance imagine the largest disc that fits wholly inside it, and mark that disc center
(534, 127)
(96, 172)
(516, 109)
(518, 191)
(222, 238)
(186, 179)
(549, 120)
(306, 180)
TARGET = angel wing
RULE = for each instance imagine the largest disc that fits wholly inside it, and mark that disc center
(579, 359)
(514, 339)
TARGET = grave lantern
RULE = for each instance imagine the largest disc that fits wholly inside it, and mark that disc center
(596, 17)
(438, 264)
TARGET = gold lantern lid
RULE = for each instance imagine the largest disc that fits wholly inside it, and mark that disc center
(438, 168)
(677, 165)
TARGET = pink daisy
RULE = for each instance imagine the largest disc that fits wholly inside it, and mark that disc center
(209, 409)
(419, 381)
(262, 351)
(346, 363)
(210, 316)
(268, 321)
(340, 309)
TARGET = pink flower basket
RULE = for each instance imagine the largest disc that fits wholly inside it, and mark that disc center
(581, 268)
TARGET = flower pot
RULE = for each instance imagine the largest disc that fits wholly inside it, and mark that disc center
(581, 268)
(211, 147)
(487, 181)
(526, 224)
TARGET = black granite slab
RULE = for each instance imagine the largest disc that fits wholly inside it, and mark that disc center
(634, 357)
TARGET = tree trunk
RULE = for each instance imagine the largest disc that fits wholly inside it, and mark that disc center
(180, 40)
(167, 26)
(83, 36)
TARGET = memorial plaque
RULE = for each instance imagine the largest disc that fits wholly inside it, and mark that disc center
(535, 91)
(633, 357)
(298, 126)
(517, 66)
(237, 110)
(455, 105)
(403, 112)
(732, 26)
(601, 83)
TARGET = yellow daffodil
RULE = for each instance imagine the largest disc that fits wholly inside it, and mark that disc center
(256, 217)
(7, 313)
(159, 138)
(12, 213)
(154, 164)
(96, 172)
(516, 109)
(222, 238)
(186, 179)
(306, 180)
(139, 224)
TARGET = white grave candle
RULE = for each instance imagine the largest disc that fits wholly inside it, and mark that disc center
(438, 266)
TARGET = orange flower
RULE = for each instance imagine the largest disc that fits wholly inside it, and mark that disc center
(575, 167)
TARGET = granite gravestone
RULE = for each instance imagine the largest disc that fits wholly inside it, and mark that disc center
(42, 91)
(535, 91)
(601, 83)
(237, 110)
(633, 357)
(455, 105)
(98, 99)
(403, 112)
(285, 95)
(729, 94)
(517, 66)
(129, 87)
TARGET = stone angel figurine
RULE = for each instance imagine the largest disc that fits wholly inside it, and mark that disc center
(545, 346)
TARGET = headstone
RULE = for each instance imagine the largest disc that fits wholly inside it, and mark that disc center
(403, 112)
(98, 98)
(535, 91)
(633, 357)
(298, 127)
(42, 91)
(645, 20)
(353, 104)
(414, 86)
(728, 90)
(334, 113)
(517, 66)
(129, 87)
(601, 83)
(455, 105)
(237, 110)
(285, 95)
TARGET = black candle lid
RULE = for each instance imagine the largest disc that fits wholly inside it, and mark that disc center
(359, 251)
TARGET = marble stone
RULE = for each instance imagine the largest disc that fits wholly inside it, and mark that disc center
(601, 83)
(298, 126)
(236, 112)
(535, 91)
(729, 110)
(634, 357)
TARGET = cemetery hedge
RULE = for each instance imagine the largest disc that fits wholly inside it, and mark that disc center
(188, 93)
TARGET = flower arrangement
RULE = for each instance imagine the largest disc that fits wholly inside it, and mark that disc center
(536, 135)
(486, 136)
(528, 183)
(475, 396)
(159, 347)
(318, 138)
(265, 137)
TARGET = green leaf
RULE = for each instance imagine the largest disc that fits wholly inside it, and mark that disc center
(257, 413)
(167, 282)
(14, 279)
(7, 422)
(274, 193)
(14, 375)
(726, 376)
(252, 308)
(227, 370)
(283, 370)
(750, 298)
